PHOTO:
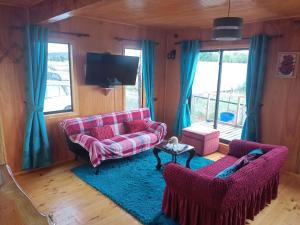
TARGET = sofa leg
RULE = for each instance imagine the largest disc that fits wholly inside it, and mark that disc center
(97, 170)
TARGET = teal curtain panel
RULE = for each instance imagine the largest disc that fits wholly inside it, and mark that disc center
(254, 86)
(148, 66)
(190, 51)
(36, 149)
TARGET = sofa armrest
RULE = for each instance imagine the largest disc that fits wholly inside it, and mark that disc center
(206, 190)
(160, 129)
(260, 174)
(239, 148)
(83, 139)
(92, 145)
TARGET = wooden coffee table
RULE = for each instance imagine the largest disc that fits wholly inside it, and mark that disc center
(172, 151)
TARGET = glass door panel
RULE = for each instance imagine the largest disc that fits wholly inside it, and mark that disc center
(204, 90)
(232, 102)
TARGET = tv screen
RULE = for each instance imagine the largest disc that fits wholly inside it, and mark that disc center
(108, 70)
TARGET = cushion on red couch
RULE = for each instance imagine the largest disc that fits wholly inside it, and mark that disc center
(102, 133)
(135, 126)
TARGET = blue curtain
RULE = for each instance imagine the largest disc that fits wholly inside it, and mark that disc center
(190, 51)
(148, 61)
(36, 150)
(254, 86)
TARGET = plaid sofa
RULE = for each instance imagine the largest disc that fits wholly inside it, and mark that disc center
(122, 144)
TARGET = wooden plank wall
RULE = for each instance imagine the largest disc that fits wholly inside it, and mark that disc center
(12, 88)
(88, 99)
(281, 110)
(2, 145)
(91, 100)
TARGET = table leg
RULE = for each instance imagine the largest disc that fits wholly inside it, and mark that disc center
(155, 152)
(97, 170)
(174, 159)
(191, 155)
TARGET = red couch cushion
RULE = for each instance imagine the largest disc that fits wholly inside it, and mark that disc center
(102, 133)
(135, 126)
(213, 169)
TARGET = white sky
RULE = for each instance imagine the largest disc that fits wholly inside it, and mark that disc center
(206, 77)
(54, 47)
(133, 52)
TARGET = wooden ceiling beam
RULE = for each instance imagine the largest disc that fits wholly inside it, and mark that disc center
(50, 11)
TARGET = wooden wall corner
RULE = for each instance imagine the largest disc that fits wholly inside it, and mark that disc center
(223, 148)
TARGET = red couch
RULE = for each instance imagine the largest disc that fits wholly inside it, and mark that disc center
(122, 144)
(198, 198)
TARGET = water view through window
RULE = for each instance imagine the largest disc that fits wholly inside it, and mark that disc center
(58, 97)
(231, 106)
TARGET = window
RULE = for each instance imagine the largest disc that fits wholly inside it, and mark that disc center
(58, 97)
(219, 90)
(134, 94)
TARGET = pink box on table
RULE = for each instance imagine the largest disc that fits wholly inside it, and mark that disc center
(204, 139)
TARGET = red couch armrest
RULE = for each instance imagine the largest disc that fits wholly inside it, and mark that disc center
(206, 190)
(239, 148)
(258, 176)
(160, 129)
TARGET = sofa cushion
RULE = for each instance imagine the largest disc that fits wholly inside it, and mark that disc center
(102, 133)
(118, 128)
(135, 126)
(213, 169)
(243, 161)
(82, 125)
(128, 143)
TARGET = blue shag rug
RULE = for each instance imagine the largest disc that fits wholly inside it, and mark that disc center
(134, 183)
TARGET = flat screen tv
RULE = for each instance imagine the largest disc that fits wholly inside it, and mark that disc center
(107, 70)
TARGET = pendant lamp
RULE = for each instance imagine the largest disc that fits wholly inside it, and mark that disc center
(227, 28)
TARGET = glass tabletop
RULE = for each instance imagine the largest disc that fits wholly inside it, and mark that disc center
(174, 149)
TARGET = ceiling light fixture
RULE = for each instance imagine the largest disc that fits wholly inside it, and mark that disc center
(227, 28)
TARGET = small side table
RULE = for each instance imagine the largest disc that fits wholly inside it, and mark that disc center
(162, 147)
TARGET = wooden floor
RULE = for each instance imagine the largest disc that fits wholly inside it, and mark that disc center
(72, 202)
(227, 132)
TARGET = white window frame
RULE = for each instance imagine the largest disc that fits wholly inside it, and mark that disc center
(71, 81)
(140, 77)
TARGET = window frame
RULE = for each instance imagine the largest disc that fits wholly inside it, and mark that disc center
(220, 63)
(71, 80)
(141, 88)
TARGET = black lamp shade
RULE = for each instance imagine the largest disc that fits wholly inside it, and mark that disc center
(227, 28)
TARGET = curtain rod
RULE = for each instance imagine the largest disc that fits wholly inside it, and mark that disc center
(127, 39)
(245, 38)
(57, 32)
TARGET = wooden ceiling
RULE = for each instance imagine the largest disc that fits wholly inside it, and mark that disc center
(159, 13)
(20, 3)
(189, 13)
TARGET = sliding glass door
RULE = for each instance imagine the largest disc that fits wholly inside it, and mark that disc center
(203, 99)
(218, 96)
